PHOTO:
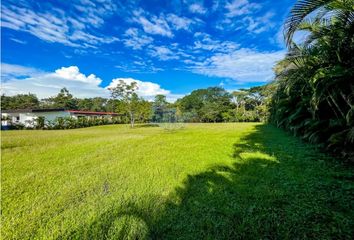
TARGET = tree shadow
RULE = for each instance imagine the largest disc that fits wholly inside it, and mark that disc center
(273, 190)
(146, 125)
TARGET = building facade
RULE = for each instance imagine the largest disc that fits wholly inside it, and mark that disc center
(27, 117)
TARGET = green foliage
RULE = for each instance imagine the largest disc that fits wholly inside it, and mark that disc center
(40, 122)
(19, 101)
(205, 105)
(315, 94)
(64, 99)
(160, 108)
(68, 123)
(213, 104)
(217, 105)
(96, 104)
(205, 181)
(129, 101)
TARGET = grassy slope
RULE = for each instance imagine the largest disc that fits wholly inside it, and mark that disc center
(216, 181)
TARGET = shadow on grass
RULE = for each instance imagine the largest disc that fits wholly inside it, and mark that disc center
(146, 125)
(275, 189)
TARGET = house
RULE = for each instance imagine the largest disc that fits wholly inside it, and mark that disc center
(27, 117)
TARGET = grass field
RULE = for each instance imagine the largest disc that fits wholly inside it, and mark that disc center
(205, 181)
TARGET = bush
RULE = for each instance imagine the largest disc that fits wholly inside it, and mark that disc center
(68, 123)
(40, 122)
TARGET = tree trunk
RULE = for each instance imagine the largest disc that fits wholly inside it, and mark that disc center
(131, 119)
(335, 104)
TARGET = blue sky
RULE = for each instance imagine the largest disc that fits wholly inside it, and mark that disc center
(168, 47)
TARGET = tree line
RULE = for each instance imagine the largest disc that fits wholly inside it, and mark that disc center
(213, 104)
(314, 97)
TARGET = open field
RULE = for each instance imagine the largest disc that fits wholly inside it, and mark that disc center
(206, 181)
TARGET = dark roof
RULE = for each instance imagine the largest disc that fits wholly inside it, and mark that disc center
(33, 110)
(58, 110)
(91, 113)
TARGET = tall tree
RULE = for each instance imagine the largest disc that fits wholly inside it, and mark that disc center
(206, 105)
(144, 110)
(160, 106)
(126, 93)
(64, 99)
(239, 98)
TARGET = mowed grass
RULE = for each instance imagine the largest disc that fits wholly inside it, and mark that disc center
(205, 181)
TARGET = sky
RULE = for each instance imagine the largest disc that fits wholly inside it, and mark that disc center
(168, 47)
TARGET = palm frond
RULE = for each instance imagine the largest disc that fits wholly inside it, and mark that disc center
(298, 13)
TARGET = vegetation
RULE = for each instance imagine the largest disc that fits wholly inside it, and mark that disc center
(198, 181)
(130, 103)
(213, 104)
(65, 123)
(64, 99)
(71, 123)
(20, 101)
(205, 181)
(162, 111)
(252, 105)
(315, 93)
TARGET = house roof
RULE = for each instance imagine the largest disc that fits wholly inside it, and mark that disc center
(33, 110)
(58, 110)
(91, 113)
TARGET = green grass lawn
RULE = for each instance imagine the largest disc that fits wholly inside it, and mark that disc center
(205, 181)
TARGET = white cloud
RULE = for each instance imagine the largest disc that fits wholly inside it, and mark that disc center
(240, 7)
(162, 53)
(18, 41)
(73, 73)
(240, 14)
(278, 38)
(205, 42)
(258, 24)
(48, 84)
(162, 24)
(135, 39)
(243, 65)
(139, 67)
(57, 26)
(249, 22)
(145, 89)
(94, 11)
(153, 25)
(9, 71)
(179, 22)
(23, 80)
(197, 8)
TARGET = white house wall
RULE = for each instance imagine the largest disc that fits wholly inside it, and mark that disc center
(28, 119)
(51, 116)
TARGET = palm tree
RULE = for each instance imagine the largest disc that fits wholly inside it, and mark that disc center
(315, 95)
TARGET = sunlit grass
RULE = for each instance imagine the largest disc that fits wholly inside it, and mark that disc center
(216, 181)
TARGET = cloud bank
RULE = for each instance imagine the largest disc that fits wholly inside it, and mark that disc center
(242, 65)
(23, 80)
